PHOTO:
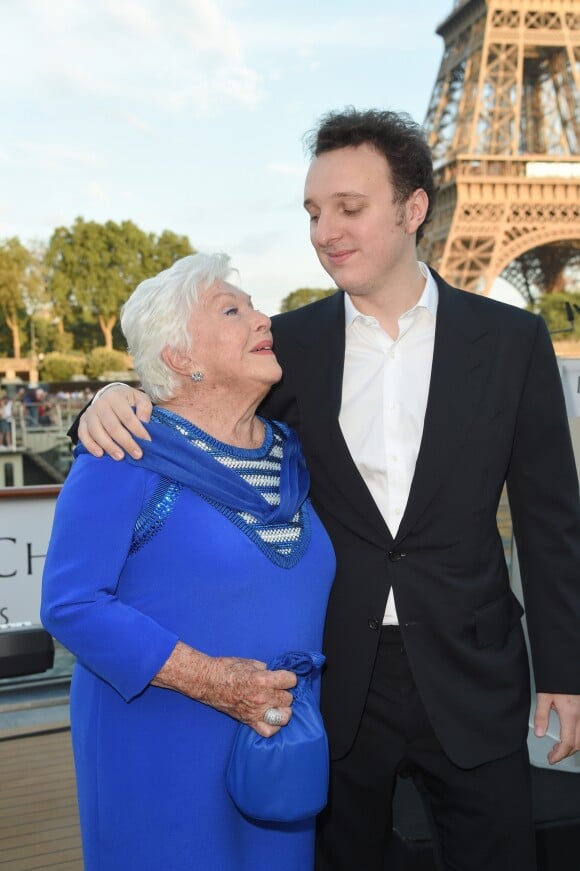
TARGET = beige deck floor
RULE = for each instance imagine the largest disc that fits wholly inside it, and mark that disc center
(39, 826)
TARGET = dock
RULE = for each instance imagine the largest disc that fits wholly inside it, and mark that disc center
(39, 825)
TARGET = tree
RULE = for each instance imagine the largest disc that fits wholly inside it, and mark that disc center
(552, 307)
(93, 268)
(61, 367)
(167, 248)
(100, 361)
(303, 296)
(21, 287)
(5, 339)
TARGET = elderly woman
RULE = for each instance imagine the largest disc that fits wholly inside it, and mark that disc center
(174, 580)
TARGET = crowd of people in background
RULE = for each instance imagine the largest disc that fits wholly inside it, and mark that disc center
(33, 406)
(5, 422)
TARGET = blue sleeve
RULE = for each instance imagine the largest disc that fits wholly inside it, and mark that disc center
(93, 526)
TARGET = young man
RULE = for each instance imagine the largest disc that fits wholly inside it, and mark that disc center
(415, 402)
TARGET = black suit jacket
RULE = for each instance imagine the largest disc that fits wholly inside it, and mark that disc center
(495, 412)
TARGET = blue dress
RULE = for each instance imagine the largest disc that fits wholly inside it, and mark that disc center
(137, 561)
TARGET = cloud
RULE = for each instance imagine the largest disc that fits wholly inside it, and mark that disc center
(198, 25)
(206, 90)
(132, 17)
(96, 191)
(176, 55)
(348, 29)
(138, 124)
(47, 156)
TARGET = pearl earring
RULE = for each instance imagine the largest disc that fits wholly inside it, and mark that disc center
(197, 376)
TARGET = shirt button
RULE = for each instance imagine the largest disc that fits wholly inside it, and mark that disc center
(397, 511)
(392, 355)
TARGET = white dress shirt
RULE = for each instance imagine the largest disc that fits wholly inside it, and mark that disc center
(384, 398)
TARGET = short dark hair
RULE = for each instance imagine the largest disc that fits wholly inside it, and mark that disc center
(394, 135)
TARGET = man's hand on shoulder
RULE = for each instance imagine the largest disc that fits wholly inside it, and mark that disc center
(108, 424)
(568, 710)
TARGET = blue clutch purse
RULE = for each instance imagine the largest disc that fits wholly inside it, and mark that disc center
(284, 778)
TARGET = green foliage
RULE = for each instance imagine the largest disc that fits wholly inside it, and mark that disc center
(44, 333)
(101, 360)
(86, 335)
(93, 268)
(5, 339)
(61, 367)
(21, 287)
(166, 249)
(303, 296)
(552, 307)
(63, 342)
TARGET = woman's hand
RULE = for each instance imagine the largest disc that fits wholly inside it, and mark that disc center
(242, 688)
(107, 424)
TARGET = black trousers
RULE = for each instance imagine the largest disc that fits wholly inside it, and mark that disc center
(481, 818)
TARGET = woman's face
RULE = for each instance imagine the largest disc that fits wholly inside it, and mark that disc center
(231, 341)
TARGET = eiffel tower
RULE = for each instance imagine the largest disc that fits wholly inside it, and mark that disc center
(504, 126)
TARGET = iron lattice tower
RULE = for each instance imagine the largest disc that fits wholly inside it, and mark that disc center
(504, 126)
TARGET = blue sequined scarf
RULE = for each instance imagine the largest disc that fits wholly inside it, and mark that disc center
(175, 458)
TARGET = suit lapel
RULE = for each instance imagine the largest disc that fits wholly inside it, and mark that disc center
(462, 346)
(322, 366)
(461, 350)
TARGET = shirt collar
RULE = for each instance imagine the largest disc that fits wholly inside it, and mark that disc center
(428, 299)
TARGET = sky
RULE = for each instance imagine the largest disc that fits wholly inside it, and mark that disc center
(189, 115)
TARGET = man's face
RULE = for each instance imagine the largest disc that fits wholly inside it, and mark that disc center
(361, 235)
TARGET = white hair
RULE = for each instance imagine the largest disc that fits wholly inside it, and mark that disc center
(157, 315)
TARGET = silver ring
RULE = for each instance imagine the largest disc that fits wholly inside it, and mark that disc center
(273, 717)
